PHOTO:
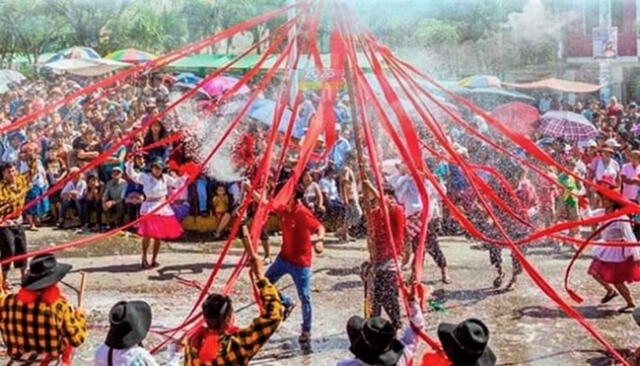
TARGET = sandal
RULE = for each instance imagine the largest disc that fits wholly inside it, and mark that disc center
(627, 309)
(608, 297)
(498, 281)
(155, 265)
(145, 264)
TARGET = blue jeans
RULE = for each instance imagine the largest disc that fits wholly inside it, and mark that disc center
(302, 279)
(78, 204)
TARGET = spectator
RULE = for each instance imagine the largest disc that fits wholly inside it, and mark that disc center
(221, 207)
(113, 199)
(313, 197)
(86, 147)
(93, 202)
(73, 195)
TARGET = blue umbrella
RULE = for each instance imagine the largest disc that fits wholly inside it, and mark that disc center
(264, 111)
(188, 78)
(83, 53)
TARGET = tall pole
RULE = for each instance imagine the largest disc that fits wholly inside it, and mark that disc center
(605, 66)
(293, 35)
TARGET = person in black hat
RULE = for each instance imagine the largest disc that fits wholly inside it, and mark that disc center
(41, 314)
(466, 343)
(374, 341)
(129, 323)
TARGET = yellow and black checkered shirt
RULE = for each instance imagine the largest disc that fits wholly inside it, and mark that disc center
(239, 348)
(40, 328)
(12, 196)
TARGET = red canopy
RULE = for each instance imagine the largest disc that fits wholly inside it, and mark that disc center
(558, 84)
(518, 117)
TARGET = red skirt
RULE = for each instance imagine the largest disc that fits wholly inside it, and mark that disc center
(160, 227)
(616, 272)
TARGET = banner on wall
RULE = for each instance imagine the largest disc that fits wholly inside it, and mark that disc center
(605, 43)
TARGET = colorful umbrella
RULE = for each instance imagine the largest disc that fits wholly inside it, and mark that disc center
(130, 55)
(518, 117)
(219, 85)
(568, 125)
(264, 111)
(82, 53)
(480, 81)
(188, 78)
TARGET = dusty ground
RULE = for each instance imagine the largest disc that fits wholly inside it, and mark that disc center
(527, 328)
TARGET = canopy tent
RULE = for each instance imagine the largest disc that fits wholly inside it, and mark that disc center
(202, 62)
(86, 67)
(559, 85)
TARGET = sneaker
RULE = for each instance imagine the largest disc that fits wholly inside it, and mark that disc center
(305, 337)
(287, 311)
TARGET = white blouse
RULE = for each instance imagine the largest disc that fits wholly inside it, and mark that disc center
(134, 356)
(155, 189)
(617, 232)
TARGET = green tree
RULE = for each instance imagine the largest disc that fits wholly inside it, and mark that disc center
(437, 33)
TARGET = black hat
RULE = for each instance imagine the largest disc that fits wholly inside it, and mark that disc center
(129, 324)
(374, 341)
(44, 271)
(466, 343)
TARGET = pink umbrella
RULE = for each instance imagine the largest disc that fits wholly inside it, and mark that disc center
(518, 117)
(219, 85)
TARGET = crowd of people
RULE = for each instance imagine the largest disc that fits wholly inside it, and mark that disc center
(139, 175)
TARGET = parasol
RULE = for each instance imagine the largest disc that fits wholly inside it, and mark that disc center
(568, 125)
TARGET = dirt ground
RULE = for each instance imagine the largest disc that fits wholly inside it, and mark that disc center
(527, 328)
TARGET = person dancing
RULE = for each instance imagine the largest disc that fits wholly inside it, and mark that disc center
(160, 225)
(614, 267)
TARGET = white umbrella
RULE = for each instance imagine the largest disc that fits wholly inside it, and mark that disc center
(7, 77)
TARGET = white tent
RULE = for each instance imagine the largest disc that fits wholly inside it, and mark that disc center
(86, 67)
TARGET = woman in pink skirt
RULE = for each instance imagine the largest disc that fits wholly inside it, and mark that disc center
(614, 267)
(160, 225)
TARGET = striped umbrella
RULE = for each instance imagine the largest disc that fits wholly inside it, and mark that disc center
(84, 53)
(131, 55)
(480, 81)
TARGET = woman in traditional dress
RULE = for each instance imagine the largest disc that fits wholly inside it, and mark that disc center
(162, 224)
(614, 267)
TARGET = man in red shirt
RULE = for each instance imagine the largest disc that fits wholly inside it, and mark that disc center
(383, 269)
(297, 223)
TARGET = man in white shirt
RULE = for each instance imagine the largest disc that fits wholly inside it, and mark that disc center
(408, 196)
(73, 194)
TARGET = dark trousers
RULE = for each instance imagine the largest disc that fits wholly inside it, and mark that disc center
(93, 207)
(115, 215)
(12, 242)
(386, 295)
(79, 206)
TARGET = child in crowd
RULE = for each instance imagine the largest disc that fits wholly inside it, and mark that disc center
(221, 208)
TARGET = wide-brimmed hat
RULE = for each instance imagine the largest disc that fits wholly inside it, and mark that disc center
(466, 343)
(129, 324)
(44, 271)
(374, 341)
(612, 143)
